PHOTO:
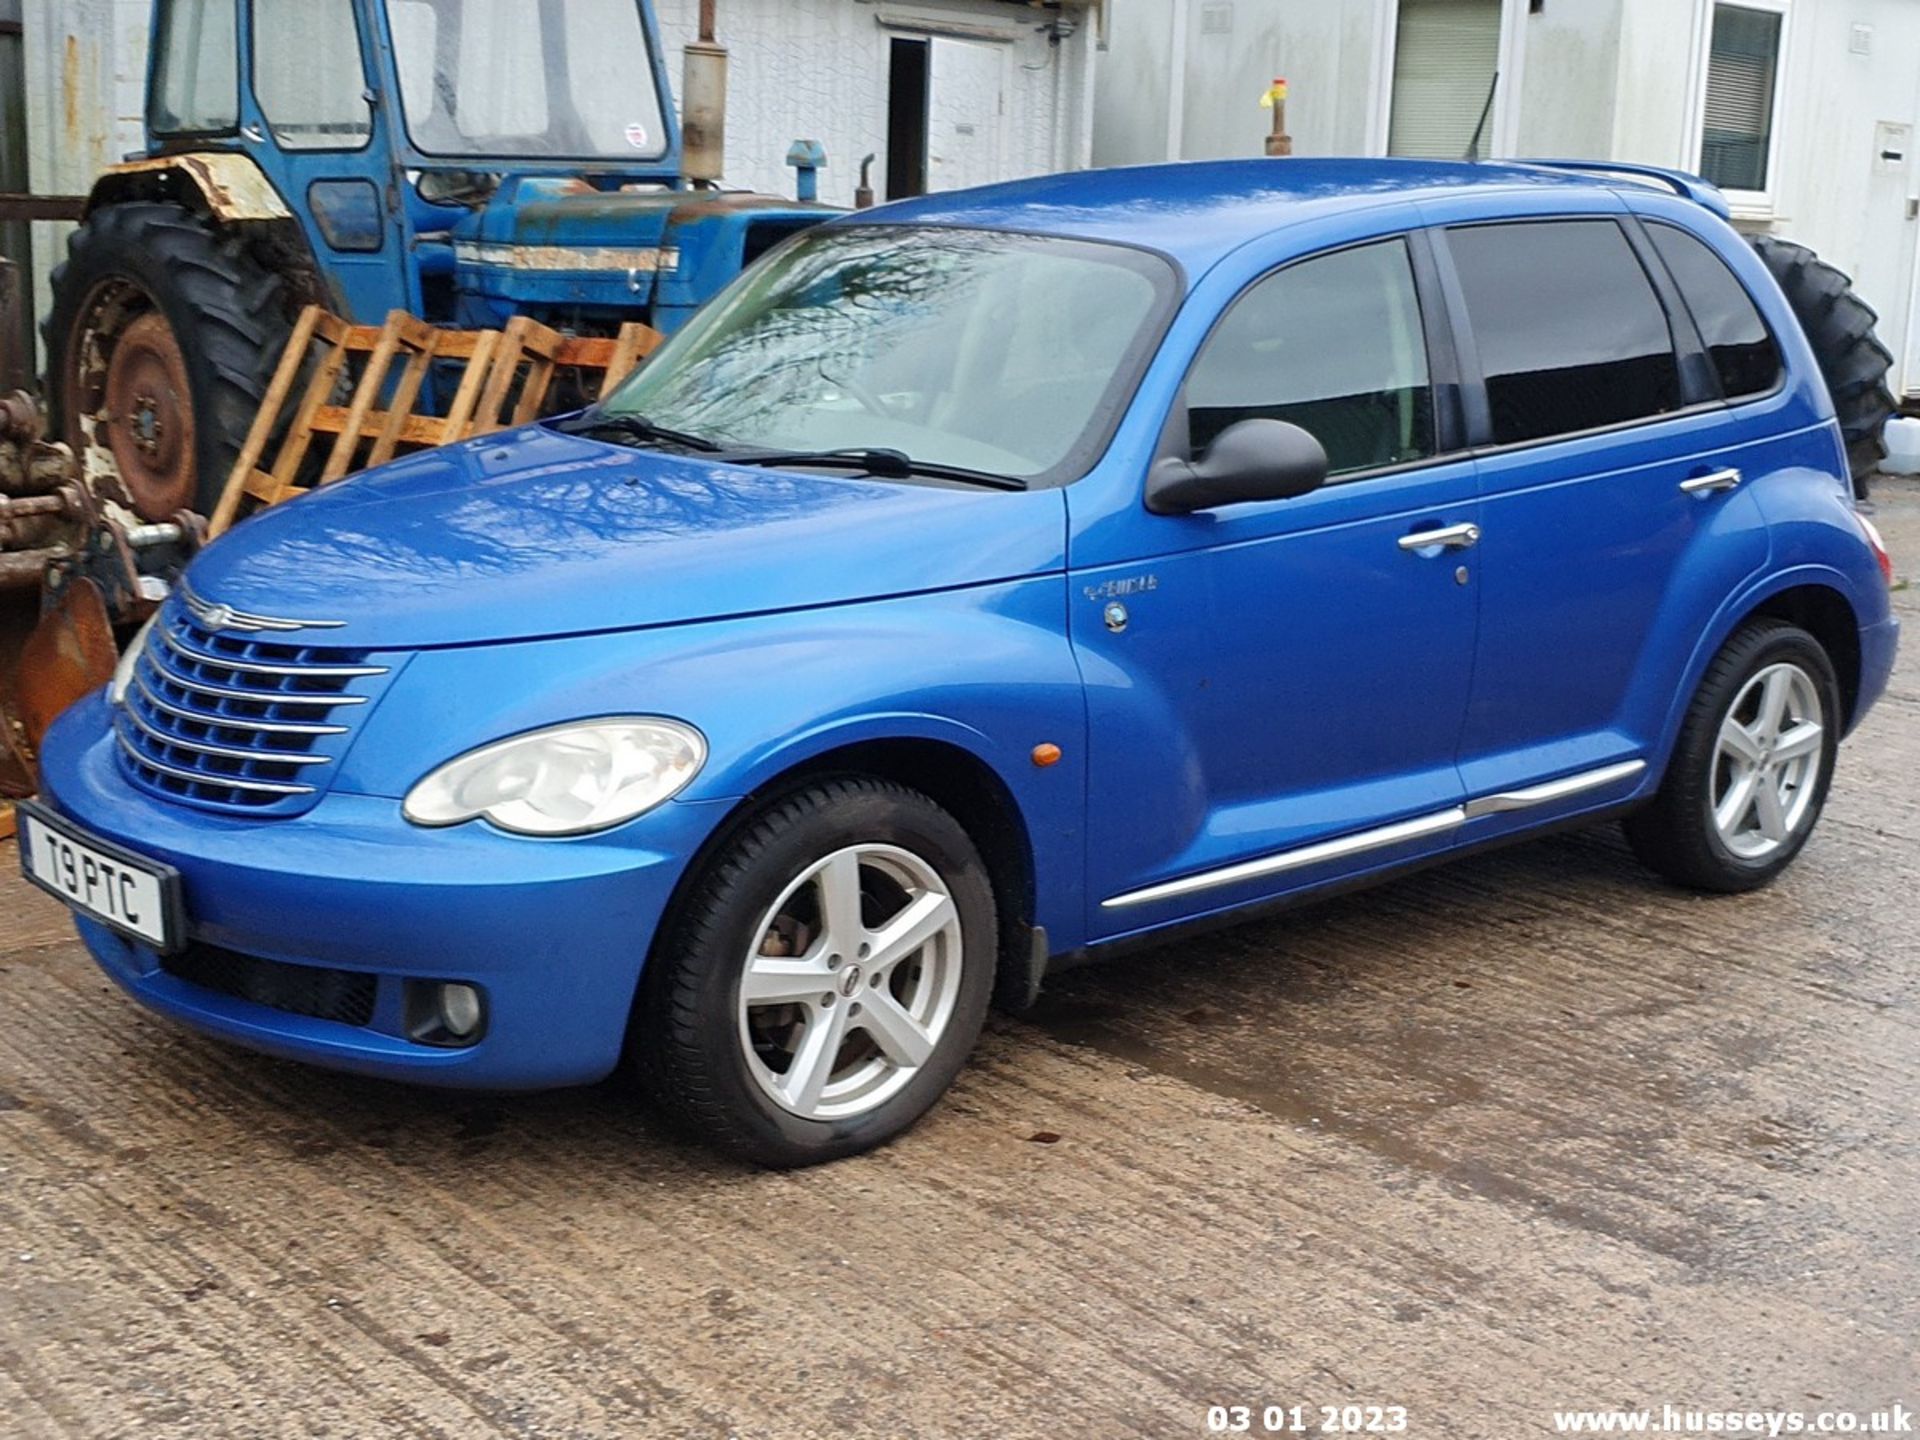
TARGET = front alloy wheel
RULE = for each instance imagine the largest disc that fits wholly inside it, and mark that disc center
(822, 976)
(853, 982)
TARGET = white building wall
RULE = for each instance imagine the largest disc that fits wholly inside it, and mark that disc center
(818, 69)
(1598, 79)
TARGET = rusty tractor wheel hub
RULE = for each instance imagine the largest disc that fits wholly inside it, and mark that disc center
(148, 417)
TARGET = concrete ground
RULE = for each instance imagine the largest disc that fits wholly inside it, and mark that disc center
(1528, 1133)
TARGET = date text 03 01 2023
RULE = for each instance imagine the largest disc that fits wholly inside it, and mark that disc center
(1307, 1419)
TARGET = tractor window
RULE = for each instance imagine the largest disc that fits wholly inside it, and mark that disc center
(307, 74)
(196, 70)
(516, 80)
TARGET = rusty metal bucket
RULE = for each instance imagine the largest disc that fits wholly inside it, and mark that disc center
(65, 655)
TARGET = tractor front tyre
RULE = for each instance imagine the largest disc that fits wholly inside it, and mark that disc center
(164, 335)
(1853, 362)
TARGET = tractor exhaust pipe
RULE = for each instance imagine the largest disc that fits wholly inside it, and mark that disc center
(703, 105)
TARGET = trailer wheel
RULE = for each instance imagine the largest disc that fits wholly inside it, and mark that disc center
(1839, 325)
(164, 335)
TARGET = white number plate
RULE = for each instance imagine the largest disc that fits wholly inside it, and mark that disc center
(103, 882)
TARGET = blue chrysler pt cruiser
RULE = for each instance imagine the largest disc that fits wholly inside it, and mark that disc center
(978, 584)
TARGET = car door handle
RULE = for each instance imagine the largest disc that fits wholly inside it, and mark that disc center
(1708, 484)
(1447, 537)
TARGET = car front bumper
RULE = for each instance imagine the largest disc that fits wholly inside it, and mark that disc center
(553, 933)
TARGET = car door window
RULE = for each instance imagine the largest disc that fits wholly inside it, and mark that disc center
(1737, 339)
(1333, 344)
(1570, 333)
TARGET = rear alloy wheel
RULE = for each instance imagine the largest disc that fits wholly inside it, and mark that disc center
(1767, 761)
(823, 976)
(1750, 773)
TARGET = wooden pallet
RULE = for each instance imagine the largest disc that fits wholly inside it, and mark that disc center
(507, 377)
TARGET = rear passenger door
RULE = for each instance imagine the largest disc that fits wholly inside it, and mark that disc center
(1615, 517)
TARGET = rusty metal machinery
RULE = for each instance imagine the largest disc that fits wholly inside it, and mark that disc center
(74, 565)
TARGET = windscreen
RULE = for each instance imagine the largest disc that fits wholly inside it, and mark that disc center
(527, 79)
(983, 349)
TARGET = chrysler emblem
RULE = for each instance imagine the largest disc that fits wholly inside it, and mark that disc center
(216, 616)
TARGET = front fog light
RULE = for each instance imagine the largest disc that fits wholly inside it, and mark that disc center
(565, 780)
(460, 1010)
(446, 1014)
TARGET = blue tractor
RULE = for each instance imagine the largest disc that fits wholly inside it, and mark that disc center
(467, 161)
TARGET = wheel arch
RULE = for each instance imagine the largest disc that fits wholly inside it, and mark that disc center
(1827, 615)
(952, 775)
(1813, 597)
(232, 191)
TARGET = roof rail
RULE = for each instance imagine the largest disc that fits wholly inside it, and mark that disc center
(1687, 187)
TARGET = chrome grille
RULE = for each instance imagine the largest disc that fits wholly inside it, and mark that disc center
(239, 723)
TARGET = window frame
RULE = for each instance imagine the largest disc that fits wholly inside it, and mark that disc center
(1782, 375)
(1436, 325)
(1747, 204)
(1699, 385)
(655, 76)
(252, 49)
(176, 137)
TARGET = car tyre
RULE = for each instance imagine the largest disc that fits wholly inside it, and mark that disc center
(766, 964)
(1749, 775)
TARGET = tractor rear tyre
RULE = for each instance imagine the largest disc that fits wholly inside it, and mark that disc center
(1839, 325)
(164, 335)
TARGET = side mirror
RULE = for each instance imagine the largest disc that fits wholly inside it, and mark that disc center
(1249, 460)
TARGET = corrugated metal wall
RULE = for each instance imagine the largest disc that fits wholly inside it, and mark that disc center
(14, 242)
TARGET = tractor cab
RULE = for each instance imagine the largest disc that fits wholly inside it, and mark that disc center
(465, 160)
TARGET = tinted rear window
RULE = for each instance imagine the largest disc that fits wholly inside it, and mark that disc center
(1730, 325)
(1570, 333)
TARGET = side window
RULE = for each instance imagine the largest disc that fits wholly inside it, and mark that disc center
(1570, 333)
(1736, 337)
(196, 73)
(307, 74)
(1333, 344)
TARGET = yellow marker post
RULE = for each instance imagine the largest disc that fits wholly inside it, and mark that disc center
(1279, 142)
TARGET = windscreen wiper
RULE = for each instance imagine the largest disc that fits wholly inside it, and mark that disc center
(637, 427)
(886, 464)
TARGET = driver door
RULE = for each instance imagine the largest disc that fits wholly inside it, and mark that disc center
(1276, 695)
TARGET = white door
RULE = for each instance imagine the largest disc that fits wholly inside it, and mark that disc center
(966, 114)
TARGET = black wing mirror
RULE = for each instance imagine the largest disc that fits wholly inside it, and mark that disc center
(1249, 460)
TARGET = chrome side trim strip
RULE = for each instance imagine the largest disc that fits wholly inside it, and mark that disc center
(1415, 829)
(1551, 790)
(199, 777)
(253, 667)
(200, 747)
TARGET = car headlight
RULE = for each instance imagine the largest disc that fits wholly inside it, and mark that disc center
(564, 780)
(129, 661)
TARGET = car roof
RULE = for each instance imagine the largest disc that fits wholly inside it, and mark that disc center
(1200, 210)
